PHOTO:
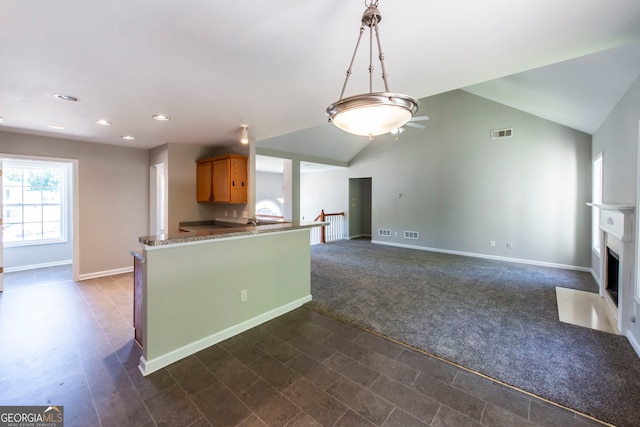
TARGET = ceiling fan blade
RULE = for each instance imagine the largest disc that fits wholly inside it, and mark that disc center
(415, 125)
(419, 118)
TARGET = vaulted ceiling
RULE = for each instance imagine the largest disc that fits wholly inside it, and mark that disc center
(213, 65)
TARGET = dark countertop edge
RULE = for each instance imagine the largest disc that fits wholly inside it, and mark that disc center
(244, 230)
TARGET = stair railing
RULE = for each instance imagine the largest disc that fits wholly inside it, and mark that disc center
(334, 230)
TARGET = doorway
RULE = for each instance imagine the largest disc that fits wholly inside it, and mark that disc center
(37, 210)
(360, 208)
(157, 199)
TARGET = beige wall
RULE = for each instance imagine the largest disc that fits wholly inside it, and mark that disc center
(180, 164)
(112, 197)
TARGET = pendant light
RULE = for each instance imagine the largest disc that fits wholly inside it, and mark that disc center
(373, 113)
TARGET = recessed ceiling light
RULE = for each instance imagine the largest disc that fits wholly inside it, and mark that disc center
(65, 97)
(103, 122)
(161, 117)
(129, 137)
(56, 126)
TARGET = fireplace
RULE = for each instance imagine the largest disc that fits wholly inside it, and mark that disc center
(616, 259)
(613, 280)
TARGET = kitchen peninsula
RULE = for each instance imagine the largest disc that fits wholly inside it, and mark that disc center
(197, 288)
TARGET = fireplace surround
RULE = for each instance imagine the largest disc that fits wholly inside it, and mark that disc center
(616, 261)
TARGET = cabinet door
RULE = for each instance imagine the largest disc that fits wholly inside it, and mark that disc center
(238, 180)
(221, 180)
(204, 182)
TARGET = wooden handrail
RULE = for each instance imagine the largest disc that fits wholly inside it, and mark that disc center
(322, 218)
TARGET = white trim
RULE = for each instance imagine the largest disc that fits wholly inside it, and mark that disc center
(497, 258)
(97, 274)
(634, 343)
(595, 277)
(147, 367)
(66, 168)
(35, 266)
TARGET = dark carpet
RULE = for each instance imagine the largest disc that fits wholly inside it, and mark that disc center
(497, 318)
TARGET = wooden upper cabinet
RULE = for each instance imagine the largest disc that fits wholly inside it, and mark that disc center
(223, 179)
(238, 175)
(205, 183)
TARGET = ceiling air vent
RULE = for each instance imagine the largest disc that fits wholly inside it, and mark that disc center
(502, 133)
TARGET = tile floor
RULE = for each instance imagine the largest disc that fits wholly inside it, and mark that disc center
(67, 343)
(585, 309)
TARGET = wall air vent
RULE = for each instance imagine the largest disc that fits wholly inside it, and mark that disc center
(384, 232)
(502, 133)
(412, 235)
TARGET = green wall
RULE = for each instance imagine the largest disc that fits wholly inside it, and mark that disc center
(461, 190)
(192, 291)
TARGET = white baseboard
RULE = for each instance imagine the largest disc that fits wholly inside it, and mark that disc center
(595, 277)
(35, 266)
(105, 273)
(147, 367)
(492, 257)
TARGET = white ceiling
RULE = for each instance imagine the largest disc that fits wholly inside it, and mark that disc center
(213, 65)
(578, 93)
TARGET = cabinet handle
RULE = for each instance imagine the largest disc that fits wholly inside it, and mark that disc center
(243, 183)
(233, 183)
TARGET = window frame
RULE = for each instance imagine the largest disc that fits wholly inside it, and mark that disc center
(64, 199)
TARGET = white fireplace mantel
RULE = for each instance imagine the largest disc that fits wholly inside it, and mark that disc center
(616, 224)
(622, 207)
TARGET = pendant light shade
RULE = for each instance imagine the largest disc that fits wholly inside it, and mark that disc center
(373, 113)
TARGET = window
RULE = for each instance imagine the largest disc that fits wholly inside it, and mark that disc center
(596, 198)
(268, 208)
(35, 202)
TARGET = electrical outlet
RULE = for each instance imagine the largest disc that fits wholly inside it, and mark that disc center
(243, 295)
(226, 213)
(244, 213)
(508, 245)
(235, 213)
(493, 243)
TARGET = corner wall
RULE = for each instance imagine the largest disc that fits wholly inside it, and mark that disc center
(460, 190)
(112, 197)
(618, 139)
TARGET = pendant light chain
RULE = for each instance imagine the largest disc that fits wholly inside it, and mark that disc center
(344, 86)
(373, 113)
(381, 57)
